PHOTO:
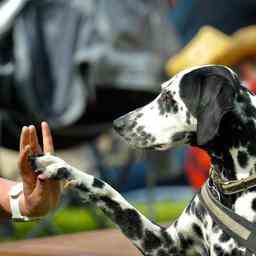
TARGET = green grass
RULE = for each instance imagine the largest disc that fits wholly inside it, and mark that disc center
(71, 220)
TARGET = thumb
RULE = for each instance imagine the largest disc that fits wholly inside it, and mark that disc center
(27, 174)
(40, 194)
(40, 188)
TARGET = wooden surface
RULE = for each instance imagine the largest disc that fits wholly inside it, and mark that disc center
(97, 243)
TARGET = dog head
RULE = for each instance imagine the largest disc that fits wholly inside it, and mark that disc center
(189, 109)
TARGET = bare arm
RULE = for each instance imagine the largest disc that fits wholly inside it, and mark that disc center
(5, 186)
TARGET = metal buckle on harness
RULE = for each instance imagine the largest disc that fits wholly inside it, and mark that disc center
(232, 186)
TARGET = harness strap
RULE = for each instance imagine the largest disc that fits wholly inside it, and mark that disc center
(243, 231)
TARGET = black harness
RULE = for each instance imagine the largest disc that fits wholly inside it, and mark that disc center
(243, 231)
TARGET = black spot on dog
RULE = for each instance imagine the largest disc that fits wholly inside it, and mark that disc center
(140, 128)
(183, 242)
(252, 171)
(242, 158)
(97, 183)
(128, 219)
(229, 170)
(130, 223)
(162, 252)
(200, 212)
(82, 187)
(198, 231)
(140, 114)
(218, 250)
(111, 204)
(161, 106)
(152, 139)
(167, 103)
(62, 173)
(151, 241)
(167, 238)
(251, 148)
(224, 237)
(188, 116)
(131, 126)
(175, 108)
(250, 110)
(254, 204)
(236, 252)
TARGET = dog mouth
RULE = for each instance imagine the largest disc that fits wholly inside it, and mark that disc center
(161, 147)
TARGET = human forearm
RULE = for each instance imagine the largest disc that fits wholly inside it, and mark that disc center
(5, 206)
(5, 209)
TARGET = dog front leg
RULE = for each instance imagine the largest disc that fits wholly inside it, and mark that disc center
(149, 238)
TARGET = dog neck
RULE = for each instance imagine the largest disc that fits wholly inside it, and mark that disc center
(236, 158)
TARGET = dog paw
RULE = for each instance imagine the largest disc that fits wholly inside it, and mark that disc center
(51, 166)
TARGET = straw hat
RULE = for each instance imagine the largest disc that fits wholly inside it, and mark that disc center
(211, 46)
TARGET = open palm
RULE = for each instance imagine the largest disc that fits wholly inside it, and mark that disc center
(40, 194)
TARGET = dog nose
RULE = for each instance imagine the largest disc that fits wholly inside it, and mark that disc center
(119, 124)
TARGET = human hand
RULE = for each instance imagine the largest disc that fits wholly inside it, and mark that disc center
(40, 195)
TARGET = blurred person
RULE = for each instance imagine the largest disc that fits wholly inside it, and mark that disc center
(35, 196)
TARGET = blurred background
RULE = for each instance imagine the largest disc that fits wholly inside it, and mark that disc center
(79, 64)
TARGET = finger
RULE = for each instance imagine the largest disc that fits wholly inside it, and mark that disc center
(27, 174)
(47, 139)
(40, 188)
(24, 164)
(24, 138)
(42, 177)
(33, 141)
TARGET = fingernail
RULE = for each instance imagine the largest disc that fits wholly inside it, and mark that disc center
(42, 177)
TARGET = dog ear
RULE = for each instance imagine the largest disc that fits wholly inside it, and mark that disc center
(208, 93)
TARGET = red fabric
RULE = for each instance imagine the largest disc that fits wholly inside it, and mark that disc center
(252, 85)
(197, 165)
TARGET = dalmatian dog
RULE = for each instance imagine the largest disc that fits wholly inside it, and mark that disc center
(207, 107)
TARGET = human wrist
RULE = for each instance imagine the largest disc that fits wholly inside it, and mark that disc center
(23, 206)
(18, 205)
